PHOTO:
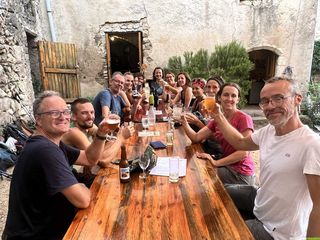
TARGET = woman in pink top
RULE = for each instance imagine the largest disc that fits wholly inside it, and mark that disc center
(234, 166)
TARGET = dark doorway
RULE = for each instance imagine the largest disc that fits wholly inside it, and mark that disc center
(33, 54)
(265, 67)
(124, 52)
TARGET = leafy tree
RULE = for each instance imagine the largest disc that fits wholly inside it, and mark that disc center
(231, 61)
(315, 68)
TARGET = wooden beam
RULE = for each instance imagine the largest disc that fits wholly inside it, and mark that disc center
(60, 70)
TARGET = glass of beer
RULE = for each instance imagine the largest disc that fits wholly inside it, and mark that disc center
(166, 87)
(113, 122)
(209, 104)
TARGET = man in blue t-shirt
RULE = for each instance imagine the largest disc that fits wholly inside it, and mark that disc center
(109, 100)
(44, 193)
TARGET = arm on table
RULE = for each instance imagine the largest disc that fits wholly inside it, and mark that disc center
(78, 194)
(314, 218)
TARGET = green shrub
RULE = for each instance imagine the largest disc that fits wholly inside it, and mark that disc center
(231, 61)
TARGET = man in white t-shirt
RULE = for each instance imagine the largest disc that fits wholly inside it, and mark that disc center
(287, 202)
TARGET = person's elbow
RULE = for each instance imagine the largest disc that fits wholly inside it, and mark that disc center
(78, 195)
(83, 202)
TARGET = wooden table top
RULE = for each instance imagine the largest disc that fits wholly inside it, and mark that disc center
(197, 207)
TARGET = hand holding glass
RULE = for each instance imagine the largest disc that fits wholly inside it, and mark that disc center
(113, 122)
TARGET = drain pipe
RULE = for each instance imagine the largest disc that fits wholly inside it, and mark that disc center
(51, 26)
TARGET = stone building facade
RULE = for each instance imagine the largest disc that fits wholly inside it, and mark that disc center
(286, 28)
(18, 22)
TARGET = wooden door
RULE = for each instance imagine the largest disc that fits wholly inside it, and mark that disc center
(58, 68)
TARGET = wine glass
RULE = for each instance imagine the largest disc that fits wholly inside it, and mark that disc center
(113, 121)
(145, 122)
(144, 162)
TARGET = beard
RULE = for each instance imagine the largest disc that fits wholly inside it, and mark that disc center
(86, 125)
(282, 117)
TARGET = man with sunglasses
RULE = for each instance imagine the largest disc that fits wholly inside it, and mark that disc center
(287, 202)
(44, 193)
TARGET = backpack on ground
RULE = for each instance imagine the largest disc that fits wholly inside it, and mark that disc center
(18, 130)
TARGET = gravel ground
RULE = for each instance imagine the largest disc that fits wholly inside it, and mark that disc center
(4, 196)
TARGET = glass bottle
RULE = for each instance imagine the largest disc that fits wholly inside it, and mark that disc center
(124, 169)
(152, 111)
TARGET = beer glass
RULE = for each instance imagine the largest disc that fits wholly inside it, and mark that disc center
(209, 104)
(113, 122)
(166, 88)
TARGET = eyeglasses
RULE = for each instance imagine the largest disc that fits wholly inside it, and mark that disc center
(57, 113)
(275, 100)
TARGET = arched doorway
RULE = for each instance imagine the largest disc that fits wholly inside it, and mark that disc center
(265, 67)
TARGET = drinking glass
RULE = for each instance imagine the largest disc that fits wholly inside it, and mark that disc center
(145, 123)
(113, 122)
(177, 111)
(209, 104)
(144, 162)
(174, 169)
(167, 88)
(187, 110)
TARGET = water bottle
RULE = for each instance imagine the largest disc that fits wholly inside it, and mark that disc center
(152, 116)
(146, 90)
(152, 111)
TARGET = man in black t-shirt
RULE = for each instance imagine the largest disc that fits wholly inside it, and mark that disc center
(44, 194)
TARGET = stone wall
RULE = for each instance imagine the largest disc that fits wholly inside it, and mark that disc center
(286, 27)
(169, 28)
(16, 90)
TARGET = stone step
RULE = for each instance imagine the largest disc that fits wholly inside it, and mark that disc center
(259, 122)
(257, 115)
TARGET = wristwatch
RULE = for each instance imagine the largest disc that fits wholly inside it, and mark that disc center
(103, 138)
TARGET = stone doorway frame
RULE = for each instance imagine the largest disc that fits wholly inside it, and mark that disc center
(265, 61)
(140, 25)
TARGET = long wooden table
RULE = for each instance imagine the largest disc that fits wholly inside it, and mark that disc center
(197, 207)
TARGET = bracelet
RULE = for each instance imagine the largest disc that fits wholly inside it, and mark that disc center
(101, 137)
